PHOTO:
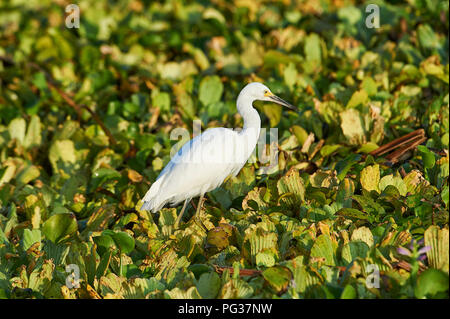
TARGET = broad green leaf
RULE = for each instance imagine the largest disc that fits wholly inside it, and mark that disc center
(352, 213)
(363, 234)
(161, 100)
(177, 293)
(415, 182)
(290, 75)
(123, 241)
(427, 37)
(33, 136)
(273, 112)
(16, 130)
(28, 174)
(62, 153)
(349, 292)
(396, 181)
(313, 52)
(292, 184)
(210, 90)
(265, 259)
(278, 277)
(300, 133)
(104, 243)
(101, 176)
(31, 237)
(370, 178)
(358, 98)
(303, 278)
(324, 248)
(353, 250)
(208, 285)
(428, 157)
(352, 125)
(59, 226)
(438, 255)
(430, 283)
(218, 237)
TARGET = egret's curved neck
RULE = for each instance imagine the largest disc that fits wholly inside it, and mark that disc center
(252, 121)
(249, 114)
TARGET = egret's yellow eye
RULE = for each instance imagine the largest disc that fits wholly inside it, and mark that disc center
(267, 93)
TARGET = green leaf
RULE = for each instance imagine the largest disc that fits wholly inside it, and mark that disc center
(177, 293)
(327, 150)
(353, 250)
(291, 184)
(138, 288)
(369, 86)
(396, 181)
(8, 173)
(16, 130)
(102, 175)
(290, 75)
(313, 52)
(59, 227)
(370, 178)
(345, 191)
(265, 259)
(273, 112)
(352, 125)
(427, 37)
(278, 277)
(28, 174)
(30, 237)
(445, 195)
(218, 237)
(57, 252)
(33, 137)
(430, 283)
(62, 152)
(415, 182)
(208, 285)
(124, 242)
(358, 98)
(363, 234)
(104, 243)
(210, 90)
(352, 213)
(161, 100)
(324, 248)
(438, 255)
(428, 157)
(349, 292)
(367, 148)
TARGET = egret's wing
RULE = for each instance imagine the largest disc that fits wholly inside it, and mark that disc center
(199, 166)
(212, 153)
(215, 145)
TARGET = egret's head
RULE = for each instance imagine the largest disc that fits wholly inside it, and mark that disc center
(259, 91)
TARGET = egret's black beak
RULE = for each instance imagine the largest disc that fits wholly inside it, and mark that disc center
(280, 101)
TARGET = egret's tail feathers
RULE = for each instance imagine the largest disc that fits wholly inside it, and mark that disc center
(150, 200)
(146, 206)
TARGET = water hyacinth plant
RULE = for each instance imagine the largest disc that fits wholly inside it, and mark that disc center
(347, 197)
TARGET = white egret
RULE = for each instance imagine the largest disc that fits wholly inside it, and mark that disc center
(203, 163)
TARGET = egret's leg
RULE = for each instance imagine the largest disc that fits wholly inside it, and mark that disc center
(181, 213)
(197, 213)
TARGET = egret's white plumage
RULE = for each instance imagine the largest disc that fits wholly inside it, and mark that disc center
(203, 163)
